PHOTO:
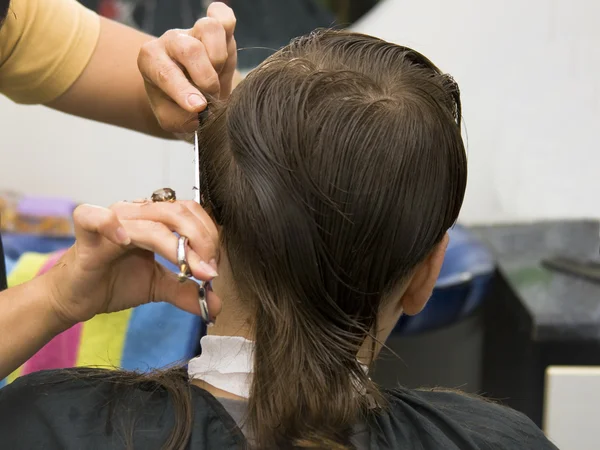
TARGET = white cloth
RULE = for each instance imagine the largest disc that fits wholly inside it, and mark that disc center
(226, 363)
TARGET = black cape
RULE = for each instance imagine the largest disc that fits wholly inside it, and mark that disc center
(59, 410)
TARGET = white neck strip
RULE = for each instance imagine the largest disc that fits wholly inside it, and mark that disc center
(226, 363)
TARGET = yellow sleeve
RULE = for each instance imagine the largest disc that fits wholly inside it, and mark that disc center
(44, 47)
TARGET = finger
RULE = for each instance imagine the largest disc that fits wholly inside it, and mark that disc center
(157, 238)
(168, 288)
(184, 296)
(225, 15)
(192, 55)
(203, 216)
(93, 222)
(169, 114)
(228, 71)
(197, 226)
(159, 69)
(212, 34)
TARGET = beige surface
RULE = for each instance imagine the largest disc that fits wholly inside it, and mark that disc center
(572, 407)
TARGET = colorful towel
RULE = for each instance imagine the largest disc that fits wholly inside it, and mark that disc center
(150, 336)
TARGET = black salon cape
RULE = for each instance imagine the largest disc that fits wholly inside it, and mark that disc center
(43, 411)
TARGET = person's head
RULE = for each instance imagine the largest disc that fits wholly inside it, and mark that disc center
(334, 172)
(4, 4)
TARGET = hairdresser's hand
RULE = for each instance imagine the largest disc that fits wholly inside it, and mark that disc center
(111, 266)
(182, 64)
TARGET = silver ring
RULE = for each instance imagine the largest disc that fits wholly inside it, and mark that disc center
(204, 314)
(182, 263)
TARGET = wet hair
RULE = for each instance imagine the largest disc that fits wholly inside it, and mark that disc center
(333, 170)
(4, 5)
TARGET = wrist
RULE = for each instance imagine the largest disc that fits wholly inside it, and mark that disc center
(56, 290)
(39, 294)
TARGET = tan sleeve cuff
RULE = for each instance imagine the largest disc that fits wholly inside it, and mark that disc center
(57, 39)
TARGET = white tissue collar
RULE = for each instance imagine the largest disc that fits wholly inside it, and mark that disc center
(226, 363)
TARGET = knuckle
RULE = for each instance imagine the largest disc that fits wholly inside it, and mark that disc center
(170, 34)
(190, 49)
(181, 211)
(192, 206)
(232, 21)
(164, 73)
(209, 24)
(107, 221)
(145, 51)
(202, 243)
(211, 82)
(118, 206)
(220, 59)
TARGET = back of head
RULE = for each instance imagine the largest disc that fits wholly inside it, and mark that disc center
(334, 170)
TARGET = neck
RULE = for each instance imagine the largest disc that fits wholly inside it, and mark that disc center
(232, 324)
(215, 392)
(226, 325)
(233, 319)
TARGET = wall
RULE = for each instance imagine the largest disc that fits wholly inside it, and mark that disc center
(51, 153)
(531, 91)
(529, 76)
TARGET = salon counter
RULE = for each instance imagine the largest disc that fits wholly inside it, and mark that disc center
(536, 317)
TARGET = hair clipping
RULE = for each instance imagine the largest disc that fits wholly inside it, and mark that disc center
(203, 115)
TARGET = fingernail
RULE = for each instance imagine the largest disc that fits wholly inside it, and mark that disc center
(213, 264)
(122, 236)
(208, 269)
(195, 100)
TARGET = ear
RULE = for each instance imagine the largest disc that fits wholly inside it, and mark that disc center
(423, 281)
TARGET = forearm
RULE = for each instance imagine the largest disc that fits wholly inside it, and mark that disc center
(111, 88)
(27, 322)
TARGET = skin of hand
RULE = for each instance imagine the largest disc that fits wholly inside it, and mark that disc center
(139, 82)
(182, 65)
(111, 266)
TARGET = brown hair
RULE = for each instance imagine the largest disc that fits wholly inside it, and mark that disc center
(333, 170)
